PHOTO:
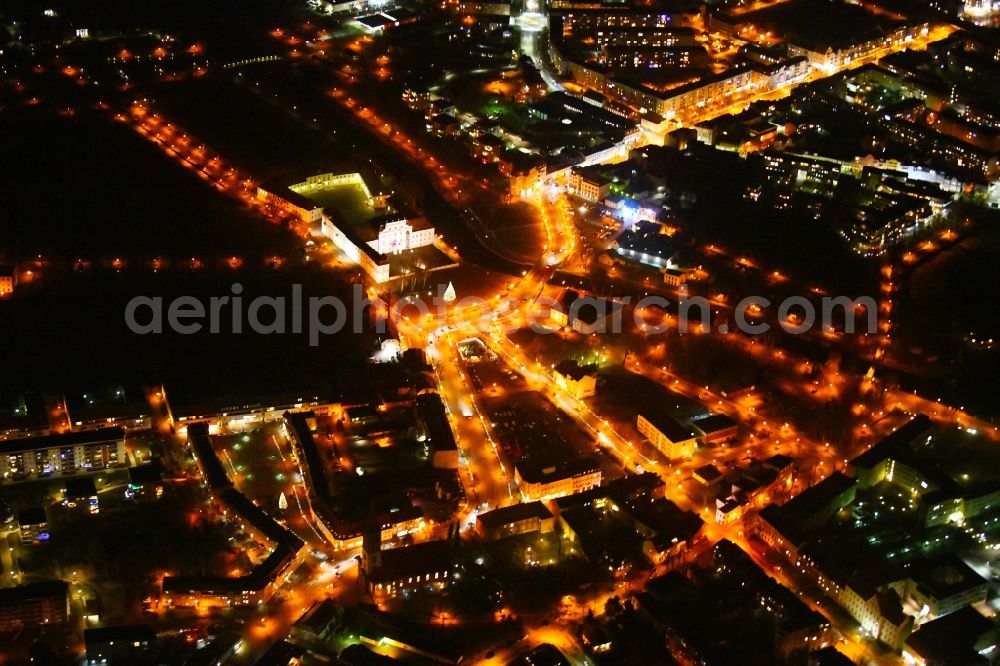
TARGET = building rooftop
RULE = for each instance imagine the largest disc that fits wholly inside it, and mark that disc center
(431, 412)
(713, 423)
(125, 633)
(572, 369)
(798, 514)
(956, 638)
(411, 561)
(670, 522)
(944, 576)
(211, 467)
(212, 653)
(671, 428)
(80, 487)
(12, 596)
(536, 471)
(633, 486)
(34, 515)
(896, 445)
(709, 473)
(281, 653)
(512, 514)
(100, 436)
(143, 474)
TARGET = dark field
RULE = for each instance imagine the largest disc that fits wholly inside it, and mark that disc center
(87, 188)
(69, 333)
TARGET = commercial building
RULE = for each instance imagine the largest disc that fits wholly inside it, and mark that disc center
(32, 605)
(238, 415)
(62, 454)
(145, 482)
(904, 459)
(645, 242)
(715, 428)
(219, 651)
(524, 518)
(670, 437)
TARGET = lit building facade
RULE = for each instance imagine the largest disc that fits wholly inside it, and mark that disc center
(548, 482)
(8, 280)
(33, 605)
(62, 454)
(670, 438)
(399, 235)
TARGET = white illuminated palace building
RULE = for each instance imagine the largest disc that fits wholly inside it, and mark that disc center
(392, 233)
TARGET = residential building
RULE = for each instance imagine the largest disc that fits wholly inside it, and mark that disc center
(33, 524)
(81, 492)
(8, 280)
(588, 185)
(785, 528)
(543, 481)
(126, 644)
(266, 576)
(750, 487)
(33, 605)
(674, 277)
(62, 454)
(432, 417)
(614, 527)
